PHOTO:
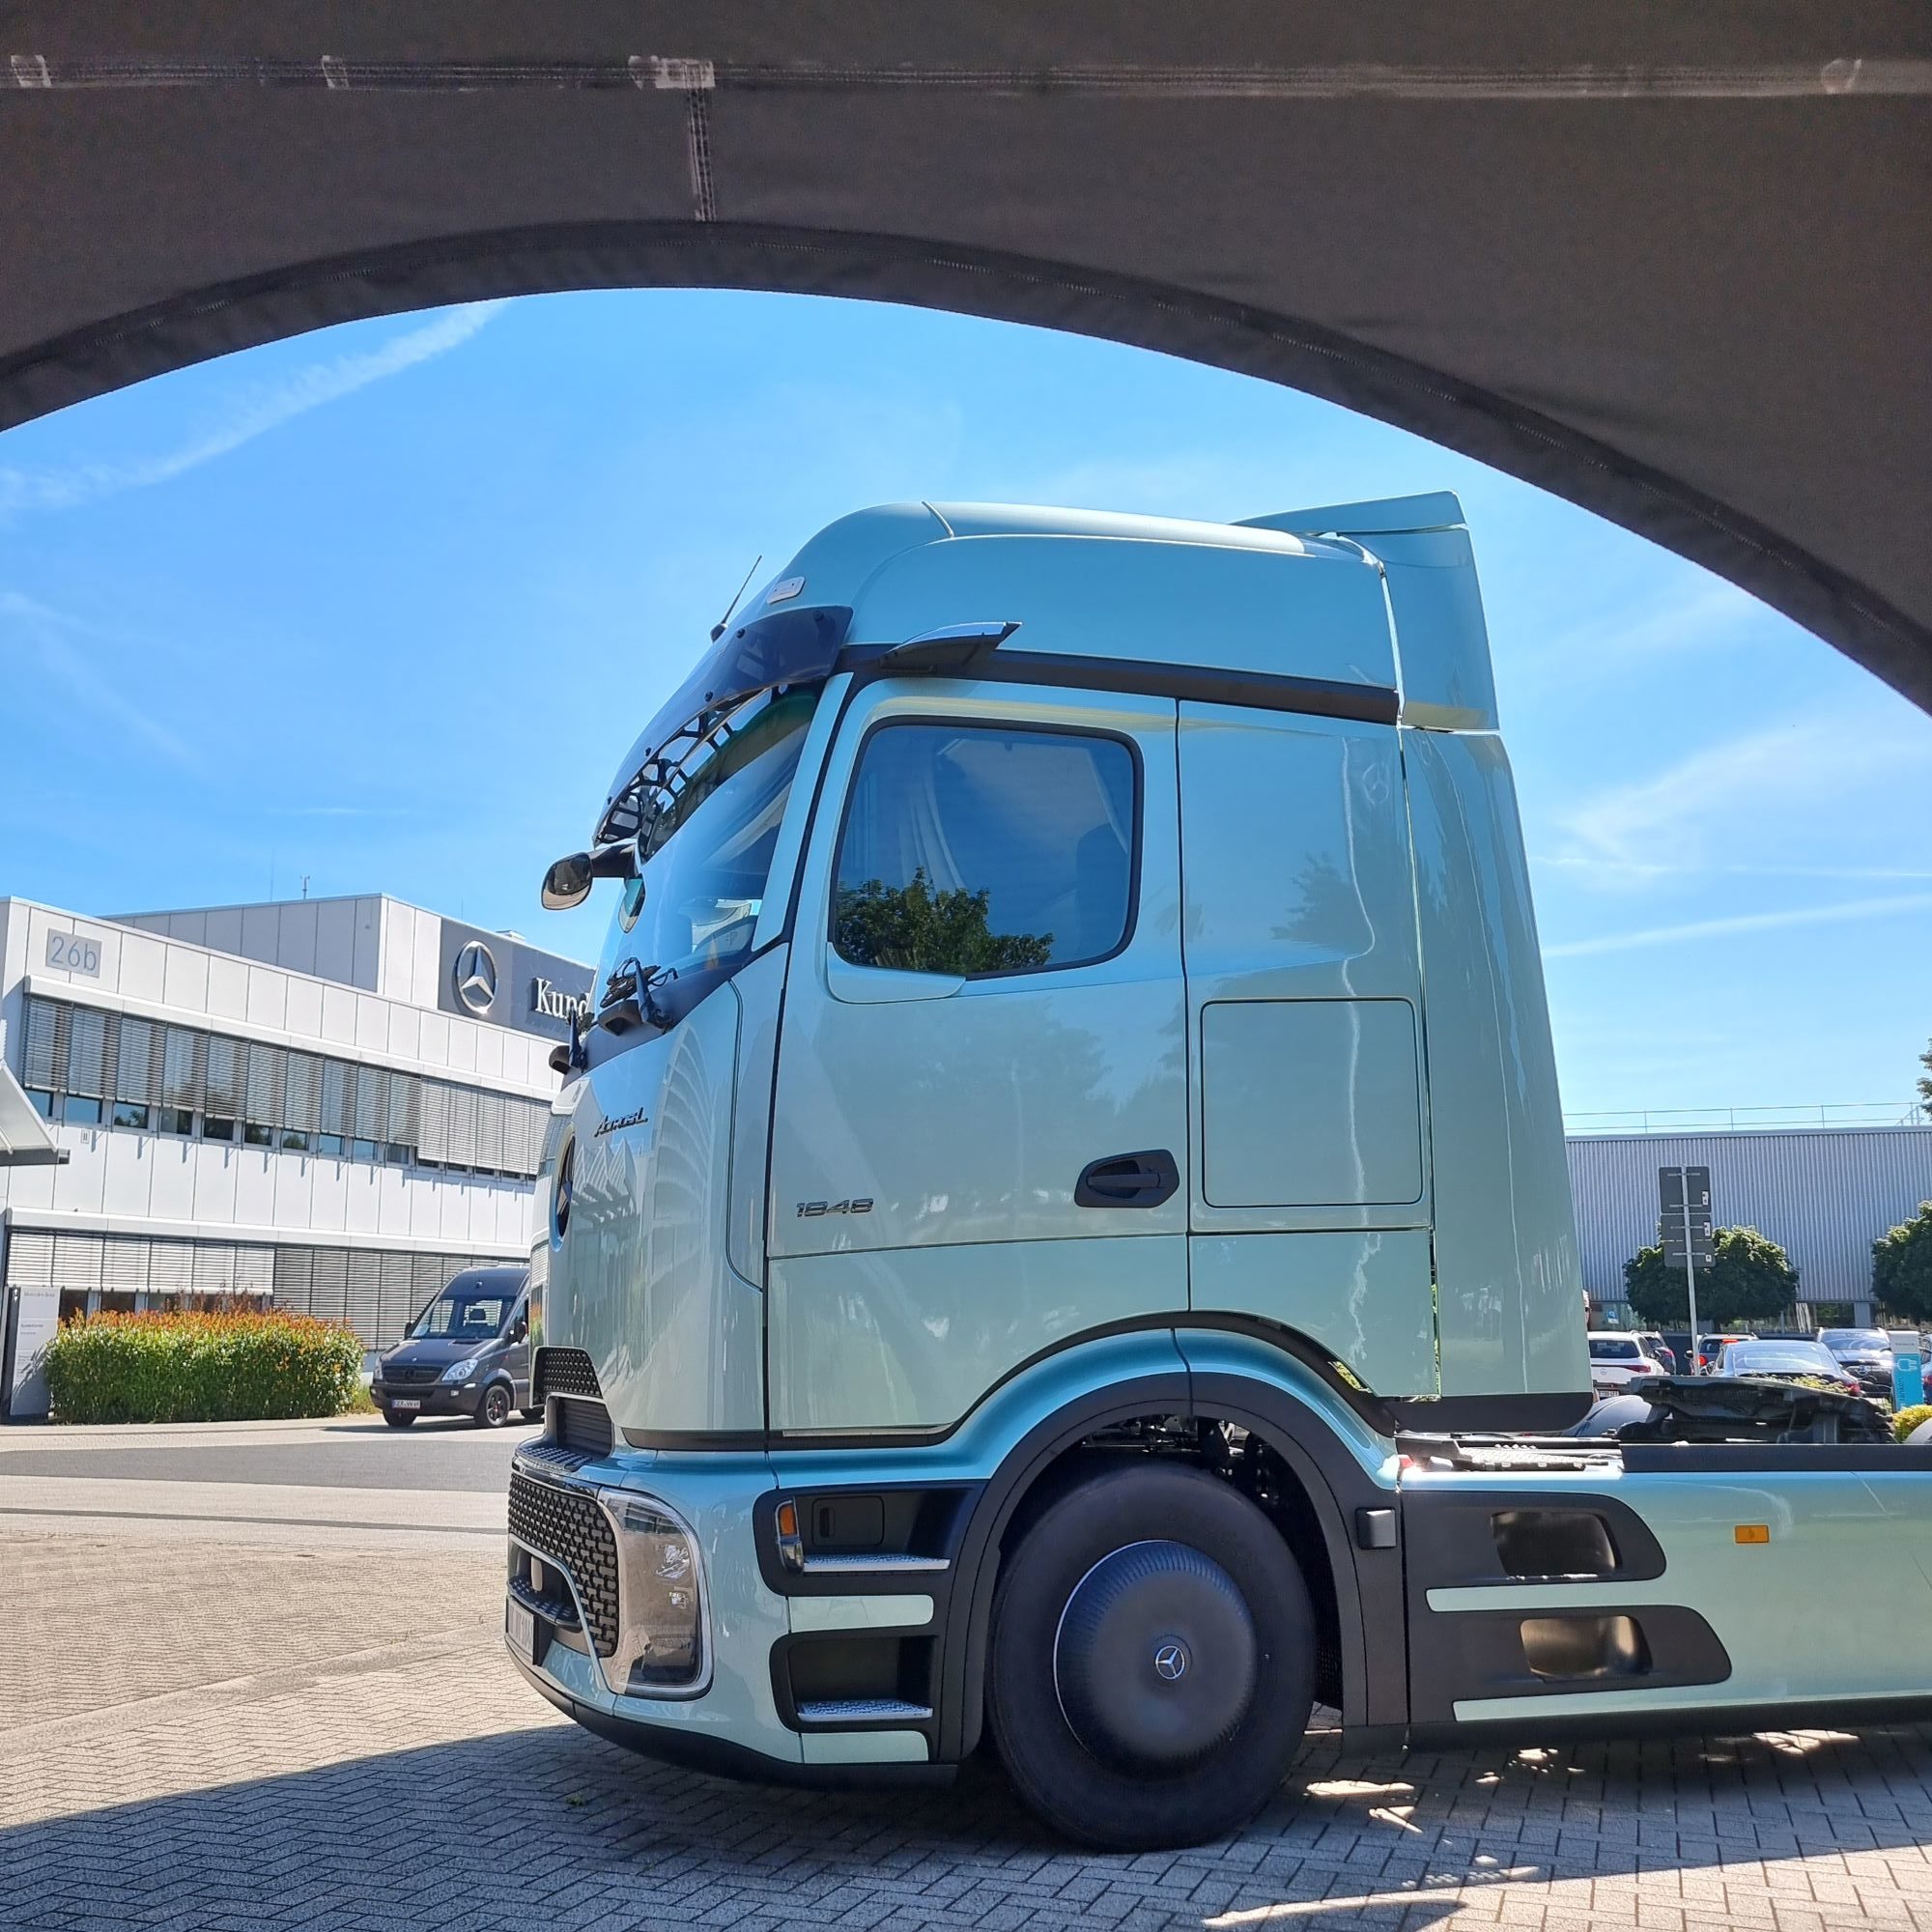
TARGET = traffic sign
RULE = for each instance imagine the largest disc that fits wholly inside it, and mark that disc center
(1672, 1224)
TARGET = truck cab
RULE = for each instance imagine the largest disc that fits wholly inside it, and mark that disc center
(1069, 1099)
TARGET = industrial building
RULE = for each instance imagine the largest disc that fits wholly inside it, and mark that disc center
(1823, 1194)
(333, 1104)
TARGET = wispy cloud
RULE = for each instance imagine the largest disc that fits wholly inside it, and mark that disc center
(1666, 824)
(253, 415)
(1741, 922)
(65, 648)
(1700, 616)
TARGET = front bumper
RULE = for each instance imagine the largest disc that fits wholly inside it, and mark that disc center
(427, 1398)
(731, 1712)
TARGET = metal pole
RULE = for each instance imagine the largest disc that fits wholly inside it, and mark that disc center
(1690, 1266)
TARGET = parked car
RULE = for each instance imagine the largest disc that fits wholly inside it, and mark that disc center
(1864, 1353)
(1711, 1346)
(1618, 1359)
(1783, 1361)
(1657, 1349)
(467, 1353)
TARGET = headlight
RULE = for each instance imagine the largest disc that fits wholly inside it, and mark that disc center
(459, 1372)
(660, 1644)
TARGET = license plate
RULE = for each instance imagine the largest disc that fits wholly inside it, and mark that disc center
(405, 1401)
(520, 1630)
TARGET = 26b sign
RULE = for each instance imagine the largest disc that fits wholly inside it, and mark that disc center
(69, 953)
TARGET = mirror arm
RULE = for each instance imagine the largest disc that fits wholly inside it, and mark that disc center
(618, 861)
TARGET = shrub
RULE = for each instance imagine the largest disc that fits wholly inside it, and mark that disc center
(1902, 1267)
(1906, 1420)
(201, 1368)
(1753, 1280)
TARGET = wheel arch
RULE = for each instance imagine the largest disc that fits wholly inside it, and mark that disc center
(1278, 1399)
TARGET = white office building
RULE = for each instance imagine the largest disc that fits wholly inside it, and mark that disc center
(328, 1104)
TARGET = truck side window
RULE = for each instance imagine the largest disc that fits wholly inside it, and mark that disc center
(982, 850)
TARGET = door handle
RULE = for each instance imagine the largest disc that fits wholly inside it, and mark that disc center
(1127, 1181)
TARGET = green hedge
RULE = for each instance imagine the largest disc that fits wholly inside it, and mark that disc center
(1908, 1419)
(201, 1368)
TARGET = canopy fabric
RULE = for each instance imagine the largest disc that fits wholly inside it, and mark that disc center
(24, 1139)
(1672, 260)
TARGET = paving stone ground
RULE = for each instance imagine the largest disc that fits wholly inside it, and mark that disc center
(206, 1724)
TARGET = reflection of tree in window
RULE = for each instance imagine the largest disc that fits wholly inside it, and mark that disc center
(915, 930)
(977, 850)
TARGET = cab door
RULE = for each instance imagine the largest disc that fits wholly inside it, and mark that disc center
(980, 1135)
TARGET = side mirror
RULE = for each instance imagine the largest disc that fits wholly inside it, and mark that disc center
(567, 882)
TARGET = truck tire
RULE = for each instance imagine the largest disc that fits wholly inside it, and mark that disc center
(494, 1409)
(1153, 1660)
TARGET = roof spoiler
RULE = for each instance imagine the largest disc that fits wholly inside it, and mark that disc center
(1441, 642)
(1383, 515)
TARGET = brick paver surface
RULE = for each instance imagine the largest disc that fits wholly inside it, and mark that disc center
(201, 1733)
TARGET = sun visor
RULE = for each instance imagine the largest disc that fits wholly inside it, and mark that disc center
(784, 647)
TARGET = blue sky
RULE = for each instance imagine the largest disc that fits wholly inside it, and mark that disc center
(383, 605)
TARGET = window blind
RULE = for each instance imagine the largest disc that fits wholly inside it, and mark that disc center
(184, 1068)
(301, 1092)
(265, 1085)
(137, 1066)
(87, 1052)
(227, 1077)
(44, 1063)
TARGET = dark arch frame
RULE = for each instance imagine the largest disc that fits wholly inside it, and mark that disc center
(196, 326)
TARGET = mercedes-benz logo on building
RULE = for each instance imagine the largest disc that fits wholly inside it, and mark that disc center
(474, 976)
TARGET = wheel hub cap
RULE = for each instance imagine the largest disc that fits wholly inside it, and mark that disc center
(1156, 1658)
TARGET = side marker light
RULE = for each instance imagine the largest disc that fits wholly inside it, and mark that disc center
(1752, 1532)
(792, 1544)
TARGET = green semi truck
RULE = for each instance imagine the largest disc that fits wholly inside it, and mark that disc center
(1059, 1239)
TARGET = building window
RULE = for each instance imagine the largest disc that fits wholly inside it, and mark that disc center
(90, 1067)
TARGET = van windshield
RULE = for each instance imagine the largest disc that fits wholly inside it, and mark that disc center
(707, 853)
(466, 1310)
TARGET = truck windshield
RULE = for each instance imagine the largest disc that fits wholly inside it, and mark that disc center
(708, 852)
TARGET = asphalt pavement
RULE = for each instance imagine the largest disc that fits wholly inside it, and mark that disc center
(354, 1452)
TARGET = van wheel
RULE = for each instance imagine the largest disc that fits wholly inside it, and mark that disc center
(1153, 1660)
(396, 1421)
(493, 1410)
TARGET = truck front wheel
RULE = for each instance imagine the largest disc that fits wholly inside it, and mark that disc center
(1153, 1658)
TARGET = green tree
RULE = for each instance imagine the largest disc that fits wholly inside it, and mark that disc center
(1902, 1267)
(1750, 1280)
(915, 929)
(1925, 1082)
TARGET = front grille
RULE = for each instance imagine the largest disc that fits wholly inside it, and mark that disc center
(583, 1426)
(563, 1372)
(568, 1526)
(409, 1375)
